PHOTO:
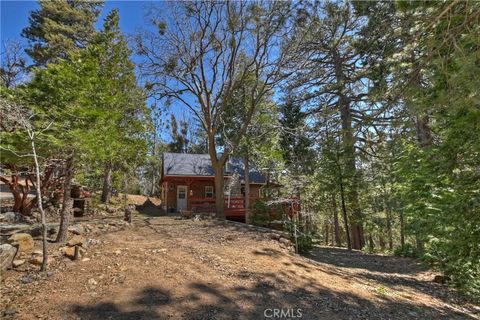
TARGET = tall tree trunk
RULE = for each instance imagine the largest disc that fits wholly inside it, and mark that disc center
(389, 228)
(424, 136)
(402, 231)
(381, 241)
(67, 199)
(371, 244)
(107, 184)
(40, 205)
(424, 133)
(344, 212)
(336, 225)
(218, 165)
(247, 188)
(152, 189)
(219, 193)
(348, 141)
(326, 233)
(154, 151)
(388, 211)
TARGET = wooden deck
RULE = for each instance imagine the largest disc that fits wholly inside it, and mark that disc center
(234, 207)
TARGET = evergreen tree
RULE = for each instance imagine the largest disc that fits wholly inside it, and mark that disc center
(294, 142)
(121, 133)
(60, 27)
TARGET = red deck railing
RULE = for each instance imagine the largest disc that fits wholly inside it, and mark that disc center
(234, 206)
(206, 205)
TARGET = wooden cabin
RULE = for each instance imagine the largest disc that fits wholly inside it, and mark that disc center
(187, 183)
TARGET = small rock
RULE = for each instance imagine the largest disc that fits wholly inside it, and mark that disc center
(76, 240)
(50, 273)
(441, 279)
(27, 279)
(284, 241)
(78, 229)
(36, 260)
(38, 253)
(23, 240)
(10, 312)
(92, 282)
(85, 259)
(18, 263)
(274, 236)
(110, 210)
(117, 252)
(12, 217)
(7, 255)
(36, 230)
(69, 251)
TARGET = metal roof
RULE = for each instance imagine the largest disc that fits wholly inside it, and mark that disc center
(186, 164)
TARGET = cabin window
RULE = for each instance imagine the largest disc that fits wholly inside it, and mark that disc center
(208, 192)
(182, 192)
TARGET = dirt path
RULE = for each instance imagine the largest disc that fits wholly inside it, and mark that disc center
(162, 268)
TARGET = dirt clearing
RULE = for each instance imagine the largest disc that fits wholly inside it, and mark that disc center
(162, 268)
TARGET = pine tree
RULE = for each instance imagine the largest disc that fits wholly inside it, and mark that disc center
(121, 135)
(60, 27)
(294, 142)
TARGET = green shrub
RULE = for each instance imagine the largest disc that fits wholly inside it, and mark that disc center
(304, 241)
(260, 215)
(408, 250)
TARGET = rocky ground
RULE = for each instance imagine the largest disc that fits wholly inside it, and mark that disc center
(164, 268)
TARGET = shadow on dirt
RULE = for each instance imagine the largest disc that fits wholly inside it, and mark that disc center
(387, 271)
(257, 299)
(340, 257)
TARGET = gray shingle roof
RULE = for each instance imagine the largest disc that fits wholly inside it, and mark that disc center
(185, 164)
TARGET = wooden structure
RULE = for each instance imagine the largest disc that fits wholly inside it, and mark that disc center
(187, 183)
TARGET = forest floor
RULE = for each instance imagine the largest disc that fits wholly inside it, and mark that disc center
(164, 268)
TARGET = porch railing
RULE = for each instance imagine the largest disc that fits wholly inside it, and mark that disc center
(208, 204)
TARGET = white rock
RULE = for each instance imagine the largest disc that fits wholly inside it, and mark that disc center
(18, 263)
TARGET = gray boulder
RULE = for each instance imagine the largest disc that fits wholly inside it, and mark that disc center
(11, 217)
(7, 254)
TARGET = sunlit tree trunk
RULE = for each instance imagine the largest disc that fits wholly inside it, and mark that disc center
(247, 187)
(348, 141)
(40, 204)
(67, 199)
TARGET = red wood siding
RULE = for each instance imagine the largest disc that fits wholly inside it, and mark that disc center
(196, 192)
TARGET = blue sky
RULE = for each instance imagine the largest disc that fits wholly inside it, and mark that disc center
(14, 17)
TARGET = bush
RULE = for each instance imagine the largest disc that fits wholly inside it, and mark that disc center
(260, 215)
(408, 250)
(304, 241)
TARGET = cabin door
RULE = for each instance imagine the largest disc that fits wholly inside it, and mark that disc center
(182, 198)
